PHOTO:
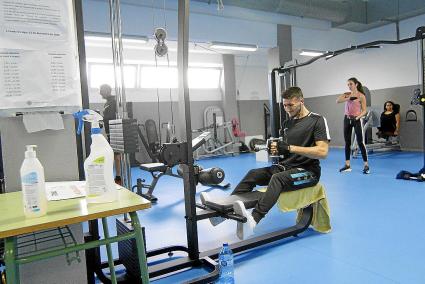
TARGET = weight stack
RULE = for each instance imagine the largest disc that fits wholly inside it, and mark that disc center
(127, 249)
(123, 135)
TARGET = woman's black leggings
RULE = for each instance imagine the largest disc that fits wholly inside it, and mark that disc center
(349, 123)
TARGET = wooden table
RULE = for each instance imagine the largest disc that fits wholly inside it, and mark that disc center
(66, 212)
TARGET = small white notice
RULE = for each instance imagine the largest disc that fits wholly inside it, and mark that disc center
(65, 190)
(62, 190)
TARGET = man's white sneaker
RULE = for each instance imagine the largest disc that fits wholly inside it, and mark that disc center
(213, 220)
(244, 230)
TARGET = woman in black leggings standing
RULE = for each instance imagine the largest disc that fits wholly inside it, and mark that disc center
(355, 109)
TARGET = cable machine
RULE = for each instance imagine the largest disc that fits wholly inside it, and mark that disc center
(288, 74)
(182, 153)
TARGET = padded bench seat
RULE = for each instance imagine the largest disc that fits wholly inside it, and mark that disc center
(153, 167)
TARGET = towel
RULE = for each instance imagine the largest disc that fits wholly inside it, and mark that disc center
(301, 198)
(38, 121)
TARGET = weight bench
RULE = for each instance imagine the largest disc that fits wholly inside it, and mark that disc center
(157, 170)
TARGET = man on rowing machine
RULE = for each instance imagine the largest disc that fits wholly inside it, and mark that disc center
(305, 140)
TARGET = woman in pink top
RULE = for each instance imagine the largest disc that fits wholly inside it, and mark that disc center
(355, 109)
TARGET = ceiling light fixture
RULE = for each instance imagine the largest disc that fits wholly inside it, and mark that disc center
(106, 38)
(232, 46)
(312, 53)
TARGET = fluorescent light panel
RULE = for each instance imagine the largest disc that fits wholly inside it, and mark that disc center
(233, 46)
(312, 53)
(100, 38)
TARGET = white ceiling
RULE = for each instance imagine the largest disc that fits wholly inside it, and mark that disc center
(352, 15)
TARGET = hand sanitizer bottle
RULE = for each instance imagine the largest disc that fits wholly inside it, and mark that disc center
(33, 185)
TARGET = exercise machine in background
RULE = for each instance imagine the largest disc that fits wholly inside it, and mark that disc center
(213, 177)
(370, 121)
(418, 99)
(288, 75)
(411, 116)
(222, 140)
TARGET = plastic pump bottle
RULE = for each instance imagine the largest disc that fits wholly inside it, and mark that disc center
(98, 166)
(33, 185)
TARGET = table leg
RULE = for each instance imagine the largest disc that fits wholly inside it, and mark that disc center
(109, 251)
(140, 247)
(12, 269)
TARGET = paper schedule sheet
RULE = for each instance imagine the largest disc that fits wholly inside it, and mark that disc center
(38, 55)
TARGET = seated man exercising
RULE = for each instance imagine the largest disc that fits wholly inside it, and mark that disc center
(306, 139)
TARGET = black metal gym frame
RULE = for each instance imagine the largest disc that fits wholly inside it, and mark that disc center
(275, 117)
(93, 233)
(195, 258)
(420, 32)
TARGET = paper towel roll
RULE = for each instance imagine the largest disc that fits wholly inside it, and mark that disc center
(38, 121)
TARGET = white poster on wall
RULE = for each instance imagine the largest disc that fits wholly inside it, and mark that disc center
(38, 55)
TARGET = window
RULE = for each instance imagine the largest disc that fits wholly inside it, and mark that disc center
(204, 78)
(104, 74)
(167, 77)
(158, 77)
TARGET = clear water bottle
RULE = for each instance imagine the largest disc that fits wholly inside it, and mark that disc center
(225, 260)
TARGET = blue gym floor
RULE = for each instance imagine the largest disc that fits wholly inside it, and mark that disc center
(377, 226)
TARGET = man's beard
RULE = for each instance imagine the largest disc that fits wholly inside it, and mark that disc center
(297, 114)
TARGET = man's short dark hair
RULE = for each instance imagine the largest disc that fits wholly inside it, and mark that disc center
(105, 88)
(292, 92)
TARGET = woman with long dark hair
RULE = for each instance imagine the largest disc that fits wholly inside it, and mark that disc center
(390, 120)
(355, 110)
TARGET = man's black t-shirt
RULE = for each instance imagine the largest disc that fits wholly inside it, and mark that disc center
(109, 112)
(305, 132)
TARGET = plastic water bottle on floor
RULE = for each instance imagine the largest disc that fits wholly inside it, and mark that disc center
(225, 260)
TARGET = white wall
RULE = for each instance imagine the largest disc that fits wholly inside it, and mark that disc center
(407, 29)
(252, 82)
(387, 67)
(324, 40)
(252, 76)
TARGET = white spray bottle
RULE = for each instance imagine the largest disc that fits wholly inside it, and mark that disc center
(33, 185)
(98, 166)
